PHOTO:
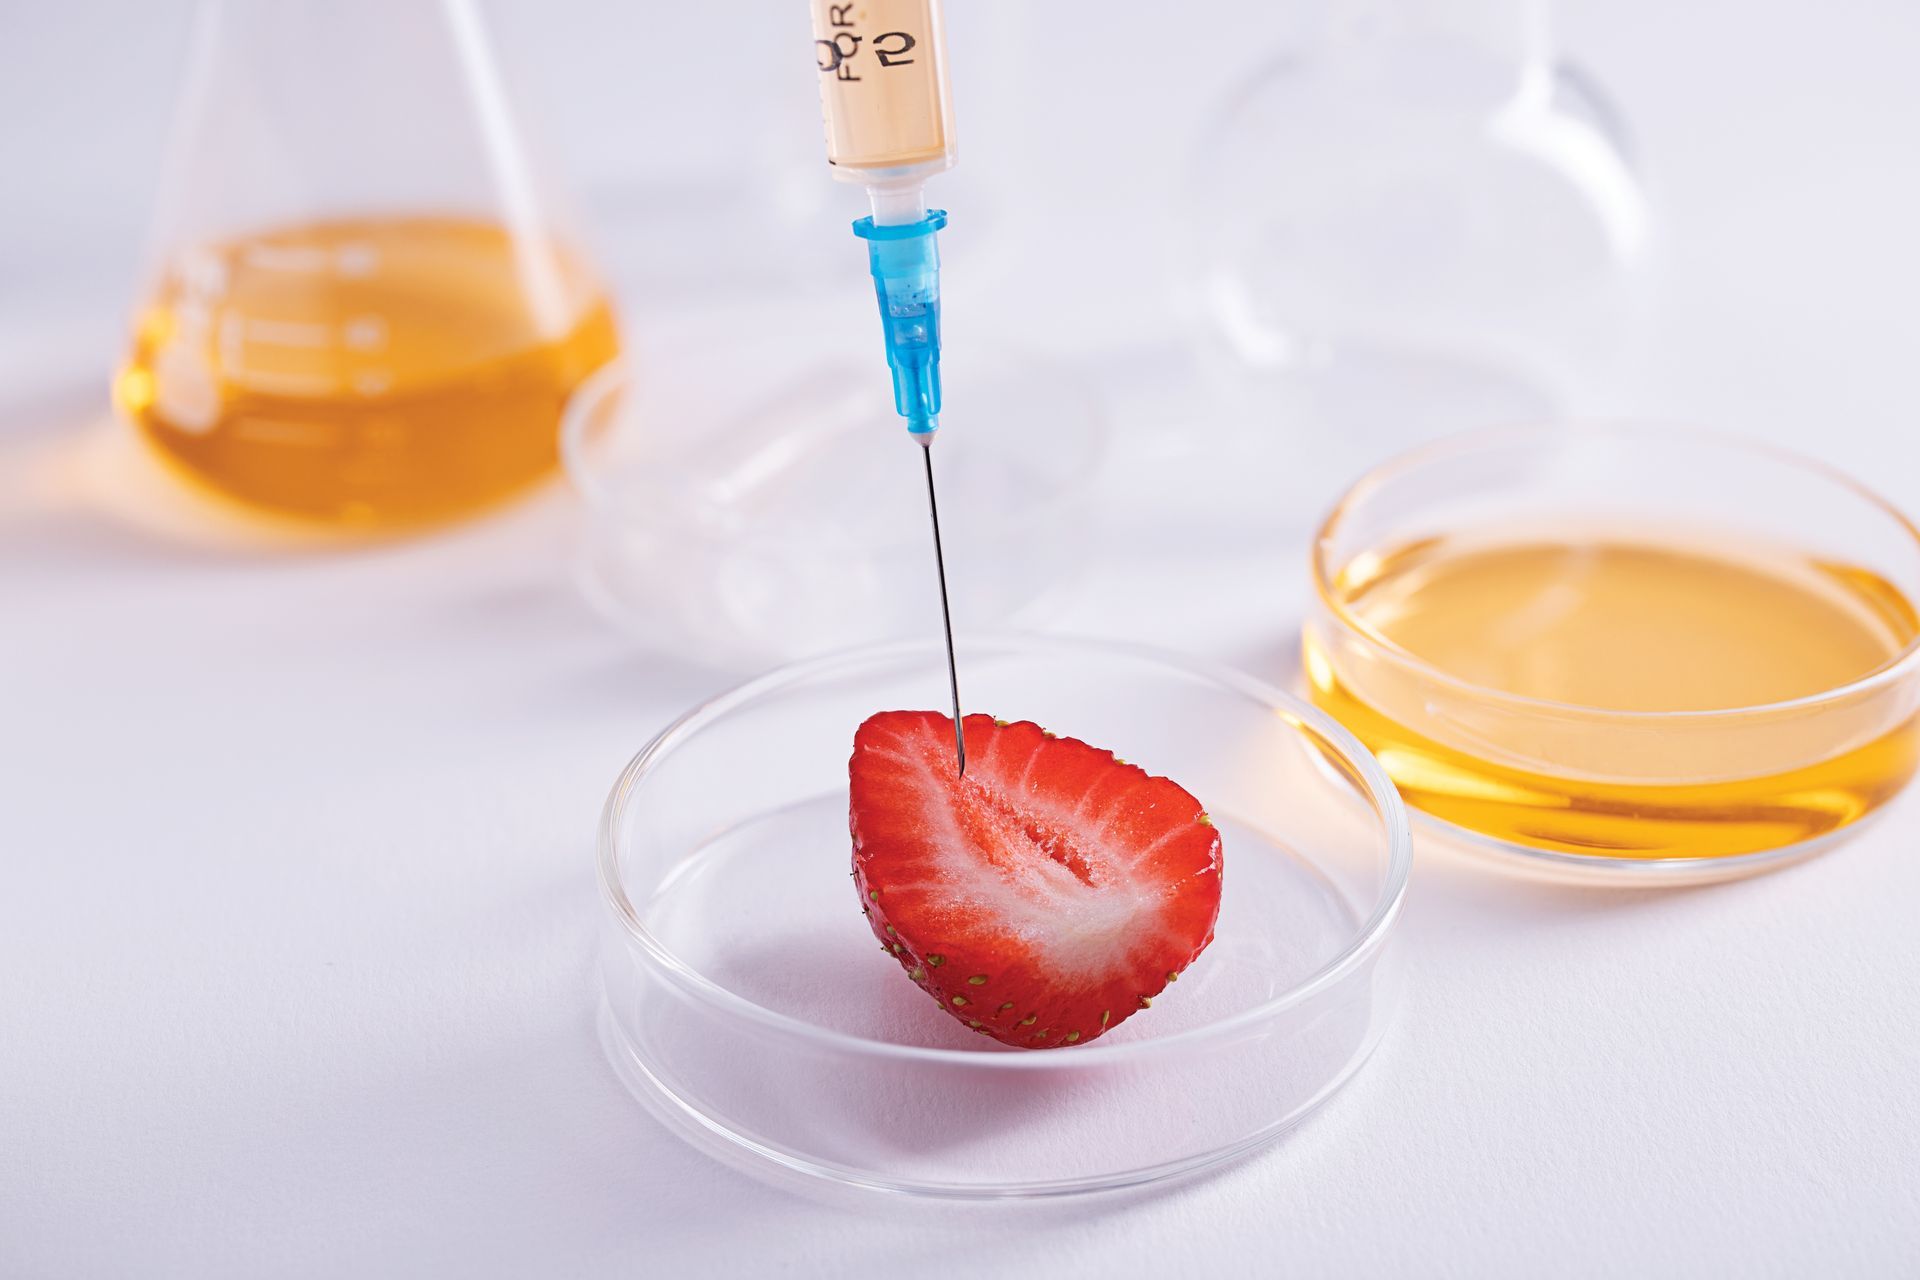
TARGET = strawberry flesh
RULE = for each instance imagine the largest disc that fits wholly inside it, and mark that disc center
(1046, 896)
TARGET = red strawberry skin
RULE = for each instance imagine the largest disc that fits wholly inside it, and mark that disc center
(1046, 896)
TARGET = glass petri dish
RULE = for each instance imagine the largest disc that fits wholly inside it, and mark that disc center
(746, 1007)
(752, 501)
(1552, 639)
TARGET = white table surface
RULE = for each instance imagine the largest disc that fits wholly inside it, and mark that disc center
(295, 938)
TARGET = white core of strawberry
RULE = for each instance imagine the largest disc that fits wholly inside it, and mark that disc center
(1042, 870)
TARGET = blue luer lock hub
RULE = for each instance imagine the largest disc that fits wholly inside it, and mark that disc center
(905, 260)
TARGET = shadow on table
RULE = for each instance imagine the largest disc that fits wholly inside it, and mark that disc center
(80, 481)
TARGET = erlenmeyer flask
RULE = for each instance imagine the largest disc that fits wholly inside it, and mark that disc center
(1421, 220)
(361, 312)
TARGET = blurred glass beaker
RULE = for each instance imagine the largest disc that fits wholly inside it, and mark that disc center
(362, 312)
(1421, 221)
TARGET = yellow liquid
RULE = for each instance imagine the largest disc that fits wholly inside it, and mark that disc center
(365, 373)
(1630, 627)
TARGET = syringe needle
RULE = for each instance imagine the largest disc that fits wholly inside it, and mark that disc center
(946, 613)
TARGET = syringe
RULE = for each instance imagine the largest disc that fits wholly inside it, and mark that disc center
(883, 91)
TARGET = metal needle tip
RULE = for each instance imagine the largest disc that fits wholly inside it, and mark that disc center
(946, 612)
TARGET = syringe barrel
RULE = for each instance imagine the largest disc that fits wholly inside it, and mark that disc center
(883, 89)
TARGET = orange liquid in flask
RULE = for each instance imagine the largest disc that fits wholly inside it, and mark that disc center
(366, 373)
(1622, 626)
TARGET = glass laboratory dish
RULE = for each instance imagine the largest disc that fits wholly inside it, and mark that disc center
(1634, 653)
(751, 501)
(747, 1009)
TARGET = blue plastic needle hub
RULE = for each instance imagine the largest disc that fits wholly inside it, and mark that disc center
(905, 259)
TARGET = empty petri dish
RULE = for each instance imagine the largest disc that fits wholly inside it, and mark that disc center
(755, 502)
(1640, 653)
(747, 1008)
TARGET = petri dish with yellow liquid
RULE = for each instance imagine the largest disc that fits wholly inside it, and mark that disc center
(1652, 654)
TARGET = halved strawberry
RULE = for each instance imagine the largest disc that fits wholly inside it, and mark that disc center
(1042, 898)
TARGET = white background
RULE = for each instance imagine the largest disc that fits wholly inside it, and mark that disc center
(296, 918)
